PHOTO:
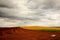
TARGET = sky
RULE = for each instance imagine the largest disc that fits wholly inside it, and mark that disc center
(29, 13)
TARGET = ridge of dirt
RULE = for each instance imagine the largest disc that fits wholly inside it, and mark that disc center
(17, 33)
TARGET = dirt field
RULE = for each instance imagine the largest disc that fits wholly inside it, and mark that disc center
(18, 33)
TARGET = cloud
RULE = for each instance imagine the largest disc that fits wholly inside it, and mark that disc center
(29, 12)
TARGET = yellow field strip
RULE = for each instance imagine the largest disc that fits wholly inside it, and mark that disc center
(41, 28)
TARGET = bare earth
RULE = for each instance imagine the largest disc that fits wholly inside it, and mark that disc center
(17, 33)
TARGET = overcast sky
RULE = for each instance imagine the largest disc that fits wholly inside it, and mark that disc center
(29, 13)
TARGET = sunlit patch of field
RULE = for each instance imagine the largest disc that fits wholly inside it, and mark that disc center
(45, 28)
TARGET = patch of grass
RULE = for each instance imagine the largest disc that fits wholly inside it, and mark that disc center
(43, 28)
(49, 30)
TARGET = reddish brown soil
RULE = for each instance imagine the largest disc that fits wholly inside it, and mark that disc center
(24, 34)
